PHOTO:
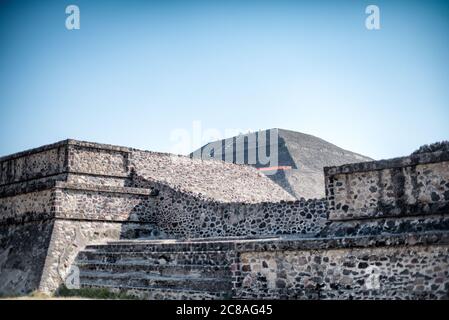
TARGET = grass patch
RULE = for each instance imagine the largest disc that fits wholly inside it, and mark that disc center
(39, 295)
(35, 295)
(93, 293)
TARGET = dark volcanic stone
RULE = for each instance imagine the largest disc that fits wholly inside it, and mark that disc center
(280, 283)
(435, 197)
(363, 265)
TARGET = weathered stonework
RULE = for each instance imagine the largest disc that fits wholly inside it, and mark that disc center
(214, 180)
(49, 160)
(414, 185)
(103, 203)
(188, 228)
(69, 236)
(72, 184)
(184, 215)
(24, 207)
(382, 272)
(23, 251)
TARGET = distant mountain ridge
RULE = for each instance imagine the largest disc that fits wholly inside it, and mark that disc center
(298, 167)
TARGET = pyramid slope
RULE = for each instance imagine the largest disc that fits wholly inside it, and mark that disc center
(211, 179)
(305, 154)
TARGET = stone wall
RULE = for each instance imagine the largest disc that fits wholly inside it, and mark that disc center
(26, 207)
(96, 180)
(84, 192)
(387, 237)
(68, 160)
(197, 219)
(103, 203)
(98, 159)
(69, 236)
(389, 216)
(181, 215)
(23, 251)
(413, 267)
(40, 162)
(37, 226)
(414, 185)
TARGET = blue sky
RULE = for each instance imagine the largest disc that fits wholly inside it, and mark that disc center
(138, 70)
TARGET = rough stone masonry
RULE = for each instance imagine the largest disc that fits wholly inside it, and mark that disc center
(161, 226)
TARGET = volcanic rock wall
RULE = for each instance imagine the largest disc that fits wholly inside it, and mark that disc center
(386, 235)
(387, 267)
(387, 238)
(415, 185)
(57, 198)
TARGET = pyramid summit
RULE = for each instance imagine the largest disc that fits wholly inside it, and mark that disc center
(293, 160)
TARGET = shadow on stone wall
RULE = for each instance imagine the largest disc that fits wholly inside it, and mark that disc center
(143, 219)
(172, 213)
(23, 252)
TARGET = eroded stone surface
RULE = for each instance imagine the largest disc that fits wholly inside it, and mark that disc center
(412, 271)
(409, 186)
(59, 199)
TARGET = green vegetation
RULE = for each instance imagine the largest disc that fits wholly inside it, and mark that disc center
(92, 293)
(437, 146)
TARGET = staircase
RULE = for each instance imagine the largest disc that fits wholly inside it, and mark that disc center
(159, 269)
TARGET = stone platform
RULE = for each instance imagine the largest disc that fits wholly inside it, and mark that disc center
(400, 266)
(161, 226)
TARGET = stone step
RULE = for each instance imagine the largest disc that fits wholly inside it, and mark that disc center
(343, 294)
(217, 244)
(159, 270)
(162, 293)
(138, 279)
(175, 247)
(155, 258)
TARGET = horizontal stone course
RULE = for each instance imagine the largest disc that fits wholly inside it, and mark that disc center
(33, 166)
(160, 293)
(33, 206)
(156, 269)
(400, 162)
(284, 243)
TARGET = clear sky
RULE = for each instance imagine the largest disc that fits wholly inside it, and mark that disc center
(136, 71)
